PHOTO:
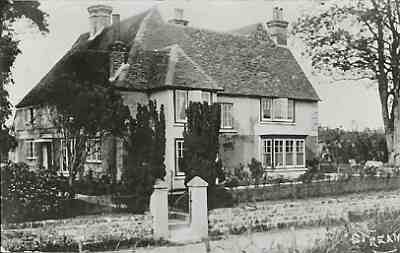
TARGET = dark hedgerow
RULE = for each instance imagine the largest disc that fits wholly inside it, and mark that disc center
(31, 195)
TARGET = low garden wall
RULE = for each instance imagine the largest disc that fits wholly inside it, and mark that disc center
(264, 216)
(314, 189)
(105, 232)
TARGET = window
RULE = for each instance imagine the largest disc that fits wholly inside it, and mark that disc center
(267, 153)
(179, 148)
(300, 157)
(289, 157)
(94, 150)
(30, 150)
(266, 108)
(226, 115)
(280, 153)
(277, 109)
(181, 104)
(206, 97)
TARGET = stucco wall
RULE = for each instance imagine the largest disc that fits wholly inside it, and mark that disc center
(242, 143)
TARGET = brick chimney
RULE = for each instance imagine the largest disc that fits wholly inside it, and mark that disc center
(178, 18)
(118, 49)
(99, 17)
(278, 28)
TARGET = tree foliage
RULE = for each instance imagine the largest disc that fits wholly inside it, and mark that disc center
(11, 12)
(201, 142)
(360, 39)
(341, 145)
(84, 105)
(146, 152)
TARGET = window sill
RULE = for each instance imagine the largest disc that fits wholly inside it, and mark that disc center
(31, 158)
(279, 122)
(179, 176)
(179, 124)
(283, 169)
(228, 130)
(93, 161)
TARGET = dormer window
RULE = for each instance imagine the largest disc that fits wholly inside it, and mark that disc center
(277, 109)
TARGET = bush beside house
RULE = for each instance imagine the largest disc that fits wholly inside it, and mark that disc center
(31, 195)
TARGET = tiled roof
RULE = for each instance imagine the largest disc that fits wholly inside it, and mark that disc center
(200, 58)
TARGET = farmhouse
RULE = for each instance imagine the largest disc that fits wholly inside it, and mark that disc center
(269, 109)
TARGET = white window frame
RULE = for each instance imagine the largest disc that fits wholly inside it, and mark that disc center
(179, 148)
(264, 142)
(293, 153)
(289, 103)
(93, 156)
(283, 153)
(273, 141)
(226, 114)
(31, 150)
(265, 100)
(176, 114)
(303, 147)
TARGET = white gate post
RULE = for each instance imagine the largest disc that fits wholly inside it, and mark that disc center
(159, 209)
(198, 207)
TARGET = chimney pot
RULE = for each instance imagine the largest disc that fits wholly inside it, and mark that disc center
(99, 17)
(178, 17)
(277, 27)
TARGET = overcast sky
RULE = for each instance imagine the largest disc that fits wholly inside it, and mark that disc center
(347, 104)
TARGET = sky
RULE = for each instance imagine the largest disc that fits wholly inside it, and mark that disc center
(348, 104)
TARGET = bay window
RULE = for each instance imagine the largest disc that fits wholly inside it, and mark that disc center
(282, 152)
(277, 109)
(226, 115)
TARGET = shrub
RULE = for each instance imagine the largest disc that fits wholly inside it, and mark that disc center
(31, 195)
(219, 197)
(256, 170)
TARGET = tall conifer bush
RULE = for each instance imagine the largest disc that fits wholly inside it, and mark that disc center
(146, 152)
(201, 142)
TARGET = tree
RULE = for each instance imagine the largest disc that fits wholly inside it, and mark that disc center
(146, 152)
(12, 11)
(84, 105)
(201, 142)
(360, 40)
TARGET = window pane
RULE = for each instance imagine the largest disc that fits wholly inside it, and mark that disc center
(290, 109)
(266, 108)
(267, 153)
(278, 148)
(300, 152)
(280, 108)
(179, 156)
(289, 152)
(226, 116)
(180, 105)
